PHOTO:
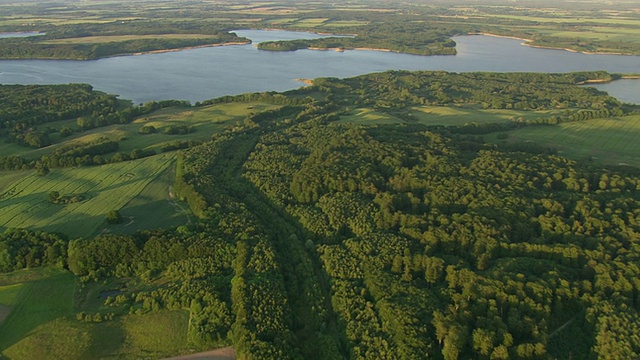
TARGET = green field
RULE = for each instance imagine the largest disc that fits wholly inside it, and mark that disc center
(42, 324)
(609, 20)
(442, 115)
(310, 22)
(25, 203)
(155, 207)
(609, 141)
(45, 295)
(345, 23)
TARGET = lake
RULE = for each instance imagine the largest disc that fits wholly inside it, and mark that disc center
(20, 34)
(206, 73)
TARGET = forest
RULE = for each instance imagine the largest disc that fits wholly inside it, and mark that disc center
(320, 239)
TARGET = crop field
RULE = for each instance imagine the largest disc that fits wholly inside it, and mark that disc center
(310, 22)
(610, 141)
(118, 38)
(611, 20)
(443, 115)
(25, 203)
(599, 33)
(156, 201)
(9, 177)
(345, 23)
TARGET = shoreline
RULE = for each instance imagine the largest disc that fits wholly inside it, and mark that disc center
(160, 51)
(527, 42)
(304, 81)
(605, 81)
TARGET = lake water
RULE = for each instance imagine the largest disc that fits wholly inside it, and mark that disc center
(19, 34)
(206, 73)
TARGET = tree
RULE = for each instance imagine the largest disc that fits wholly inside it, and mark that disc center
(114, 217)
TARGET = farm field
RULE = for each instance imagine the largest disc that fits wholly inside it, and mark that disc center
(443, 115)
(100, 189)
(154, 203)
(610, 141)
(369, 116)
(446, 115)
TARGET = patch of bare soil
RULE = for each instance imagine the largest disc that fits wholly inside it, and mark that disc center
(227, 353)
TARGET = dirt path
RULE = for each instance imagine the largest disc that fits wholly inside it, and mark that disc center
(556, 331)
(227, 353)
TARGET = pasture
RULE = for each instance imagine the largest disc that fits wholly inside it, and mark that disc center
(153, 336)
(41, 305)
(103, 188)
(35, 297)
(610, 141)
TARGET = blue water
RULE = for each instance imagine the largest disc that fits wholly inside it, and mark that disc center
(19, 34)
(206, 73)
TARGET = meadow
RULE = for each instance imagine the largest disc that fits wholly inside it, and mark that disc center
(612, 141)
(42, 324)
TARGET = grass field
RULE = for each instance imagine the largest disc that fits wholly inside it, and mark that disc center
(609, 141)
(41, 323)
(25, 203)
(442, 115)
(45, 295)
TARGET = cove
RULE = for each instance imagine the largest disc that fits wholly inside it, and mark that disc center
(206, 73)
